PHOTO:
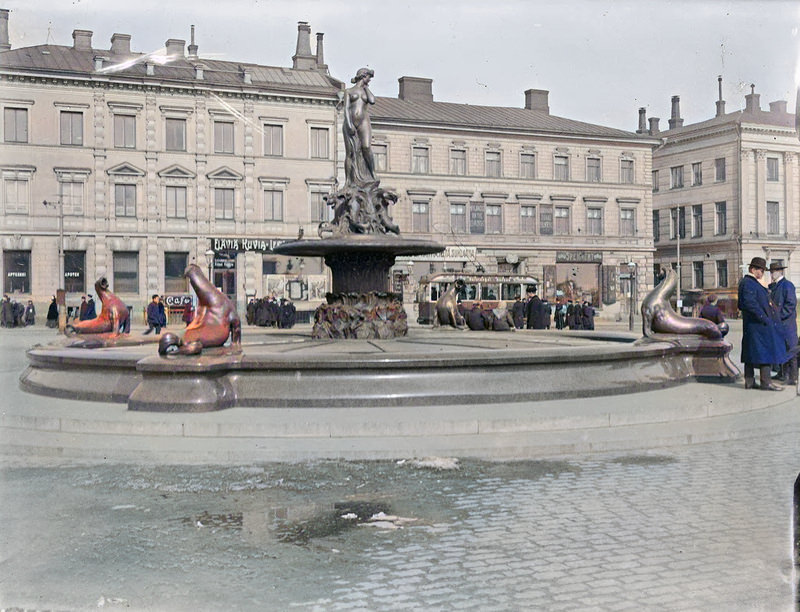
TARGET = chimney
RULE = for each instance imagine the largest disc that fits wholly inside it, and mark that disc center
(198, 71)
(192, 47)
(536, 99)
(779, 106)
(415, 89)
(321, 65)
(175, 47)
(82, 39)
(5, 43)
(653, 131)
(676, 121)
(720, 101)
(642, 121)
(121, 44)
(303, 59)
(752, 101)
(247, 75)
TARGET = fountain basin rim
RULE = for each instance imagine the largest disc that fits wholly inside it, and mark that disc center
(359, 243)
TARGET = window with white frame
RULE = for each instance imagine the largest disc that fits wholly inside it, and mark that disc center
(319, 143)
(493, 164)
(15, 124)
(71, 193)
(697, 221)
(494, 219)
(125, 131)
(273, 205)
(125, 265)
(656, 226)
(527, 219)
(223, 136)
(719, 169)
(626, 171)
(224, 203)
(16, 194)
(676, 177)
(773, 218)
(458, 162)
(320, 211)
(273, 140)
(773, 174)
(380, 153)
(721, 218)
(697, 274)
(124, 200)
(655, 180)
(420, 160)
(697, 174)
(458, 217)
(175, 134)
(593, 172)
(176, 201)
(722, 273)
(72, 128)
(594, 221)
(420, 216)
(627, 222)
(527, 165)
(561, 220)
(561, 168)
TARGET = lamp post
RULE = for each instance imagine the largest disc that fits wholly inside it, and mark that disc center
(632, 272)
(210, 261)
(62, 310)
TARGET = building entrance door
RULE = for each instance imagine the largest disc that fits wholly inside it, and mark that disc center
(225, 273)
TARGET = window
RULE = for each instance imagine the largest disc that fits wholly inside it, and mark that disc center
(458, 162)
(72, 128)
(175, 134)
(419, 160)
(561, 168)
(697, 221)
(71, 197)
(719, 169)
(273, 140)
(16, 196)
(176, 202)
(721, 220)
(561, 220)
(125, 131)
(772, 169)
(493, 164)
(273, 205)
(75, 271)
(773, 218)
(17, 268)
(626, 171)
(15, 124)
(527, 165)
(223, 203)
(174, 266)
(697, 173)
(655, 180)
(494, 219)
(656, 225)
(458, 218)
(319, 143)
(419, 217)
(126, 272)
(320, 211)
(594, 221)
(268, 266)
(627, 222)
(223, 137)
(380, 152)
(125, 200)
(677, 226)
(697, 274)
(722, 273)
(676, 177)
(527, 219)
(593, 169)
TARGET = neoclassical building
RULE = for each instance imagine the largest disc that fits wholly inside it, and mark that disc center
(726, 190)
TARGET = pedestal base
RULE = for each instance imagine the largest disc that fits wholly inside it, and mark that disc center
(360, 316)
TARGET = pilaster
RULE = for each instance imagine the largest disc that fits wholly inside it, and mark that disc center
(760, 195)
(791, 202)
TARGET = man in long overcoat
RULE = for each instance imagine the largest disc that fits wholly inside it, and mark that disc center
(784, 296)
(762, 342)
(518, 310)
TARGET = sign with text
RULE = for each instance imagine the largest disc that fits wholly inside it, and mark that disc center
(175, 301)
(579, 257)
(477, 218)
(244, 245)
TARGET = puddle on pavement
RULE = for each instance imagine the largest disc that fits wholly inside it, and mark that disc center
(645, 460)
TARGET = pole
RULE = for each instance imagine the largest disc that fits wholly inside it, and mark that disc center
(679, 300)
(630, 297)
(61, 300)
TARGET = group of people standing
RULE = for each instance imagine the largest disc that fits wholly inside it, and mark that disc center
(271, 312)
(16, 314)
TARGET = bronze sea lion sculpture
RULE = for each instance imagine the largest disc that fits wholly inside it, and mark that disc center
(447, 308)
(216, 320)
(113, 315)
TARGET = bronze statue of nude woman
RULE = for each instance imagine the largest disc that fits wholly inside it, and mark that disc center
(359, 163)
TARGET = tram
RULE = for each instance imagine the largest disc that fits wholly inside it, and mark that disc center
(489, 290)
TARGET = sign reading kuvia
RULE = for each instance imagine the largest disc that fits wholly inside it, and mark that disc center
(243, 245)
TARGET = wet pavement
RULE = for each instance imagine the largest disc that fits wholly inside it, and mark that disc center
(703, 527)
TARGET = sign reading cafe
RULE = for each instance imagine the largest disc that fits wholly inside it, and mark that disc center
(244, 245)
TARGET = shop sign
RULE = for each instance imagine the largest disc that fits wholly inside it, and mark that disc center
(174, 301)
(477, 220)
(245, 245)
(595, 257)
(450, 253)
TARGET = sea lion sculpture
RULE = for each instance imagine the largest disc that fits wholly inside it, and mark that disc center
(658, 316)
(216, 319)
(447, 308)
(112, 318)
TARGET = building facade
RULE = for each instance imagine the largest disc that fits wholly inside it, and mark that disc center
(726, 190)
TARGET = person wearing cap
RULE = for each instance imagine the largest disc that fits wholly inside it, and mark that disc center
(762, 342)
(784, 296)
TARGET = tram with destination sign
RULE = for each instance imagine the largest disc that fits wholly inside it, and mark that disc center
(489, 290)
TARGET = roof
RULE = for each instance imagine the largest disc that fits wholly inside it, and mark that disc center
(759, 117)
(490, 117)
(67, 61)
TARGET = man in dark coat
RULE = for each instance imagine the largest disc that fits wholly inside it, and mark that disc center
(83, 309)
(6, 312)
(534, 311)
(91, 312)
(784, 296)
(30, 313)
(711, 311)
(762, 342)
(518, 312)
(588, 316)
(52, 314)
(154, 315)
(476, 320)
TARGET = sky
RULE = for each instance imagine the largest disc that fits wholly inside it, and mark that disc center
(600, 60)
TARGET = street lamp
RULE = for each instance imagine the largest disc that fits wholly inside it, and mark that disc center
(632, 272)
(62, 312)
(210, 261)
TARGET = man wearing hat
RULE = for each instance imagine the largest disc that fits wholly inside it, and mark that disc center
(762, 342)
(784, 297)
